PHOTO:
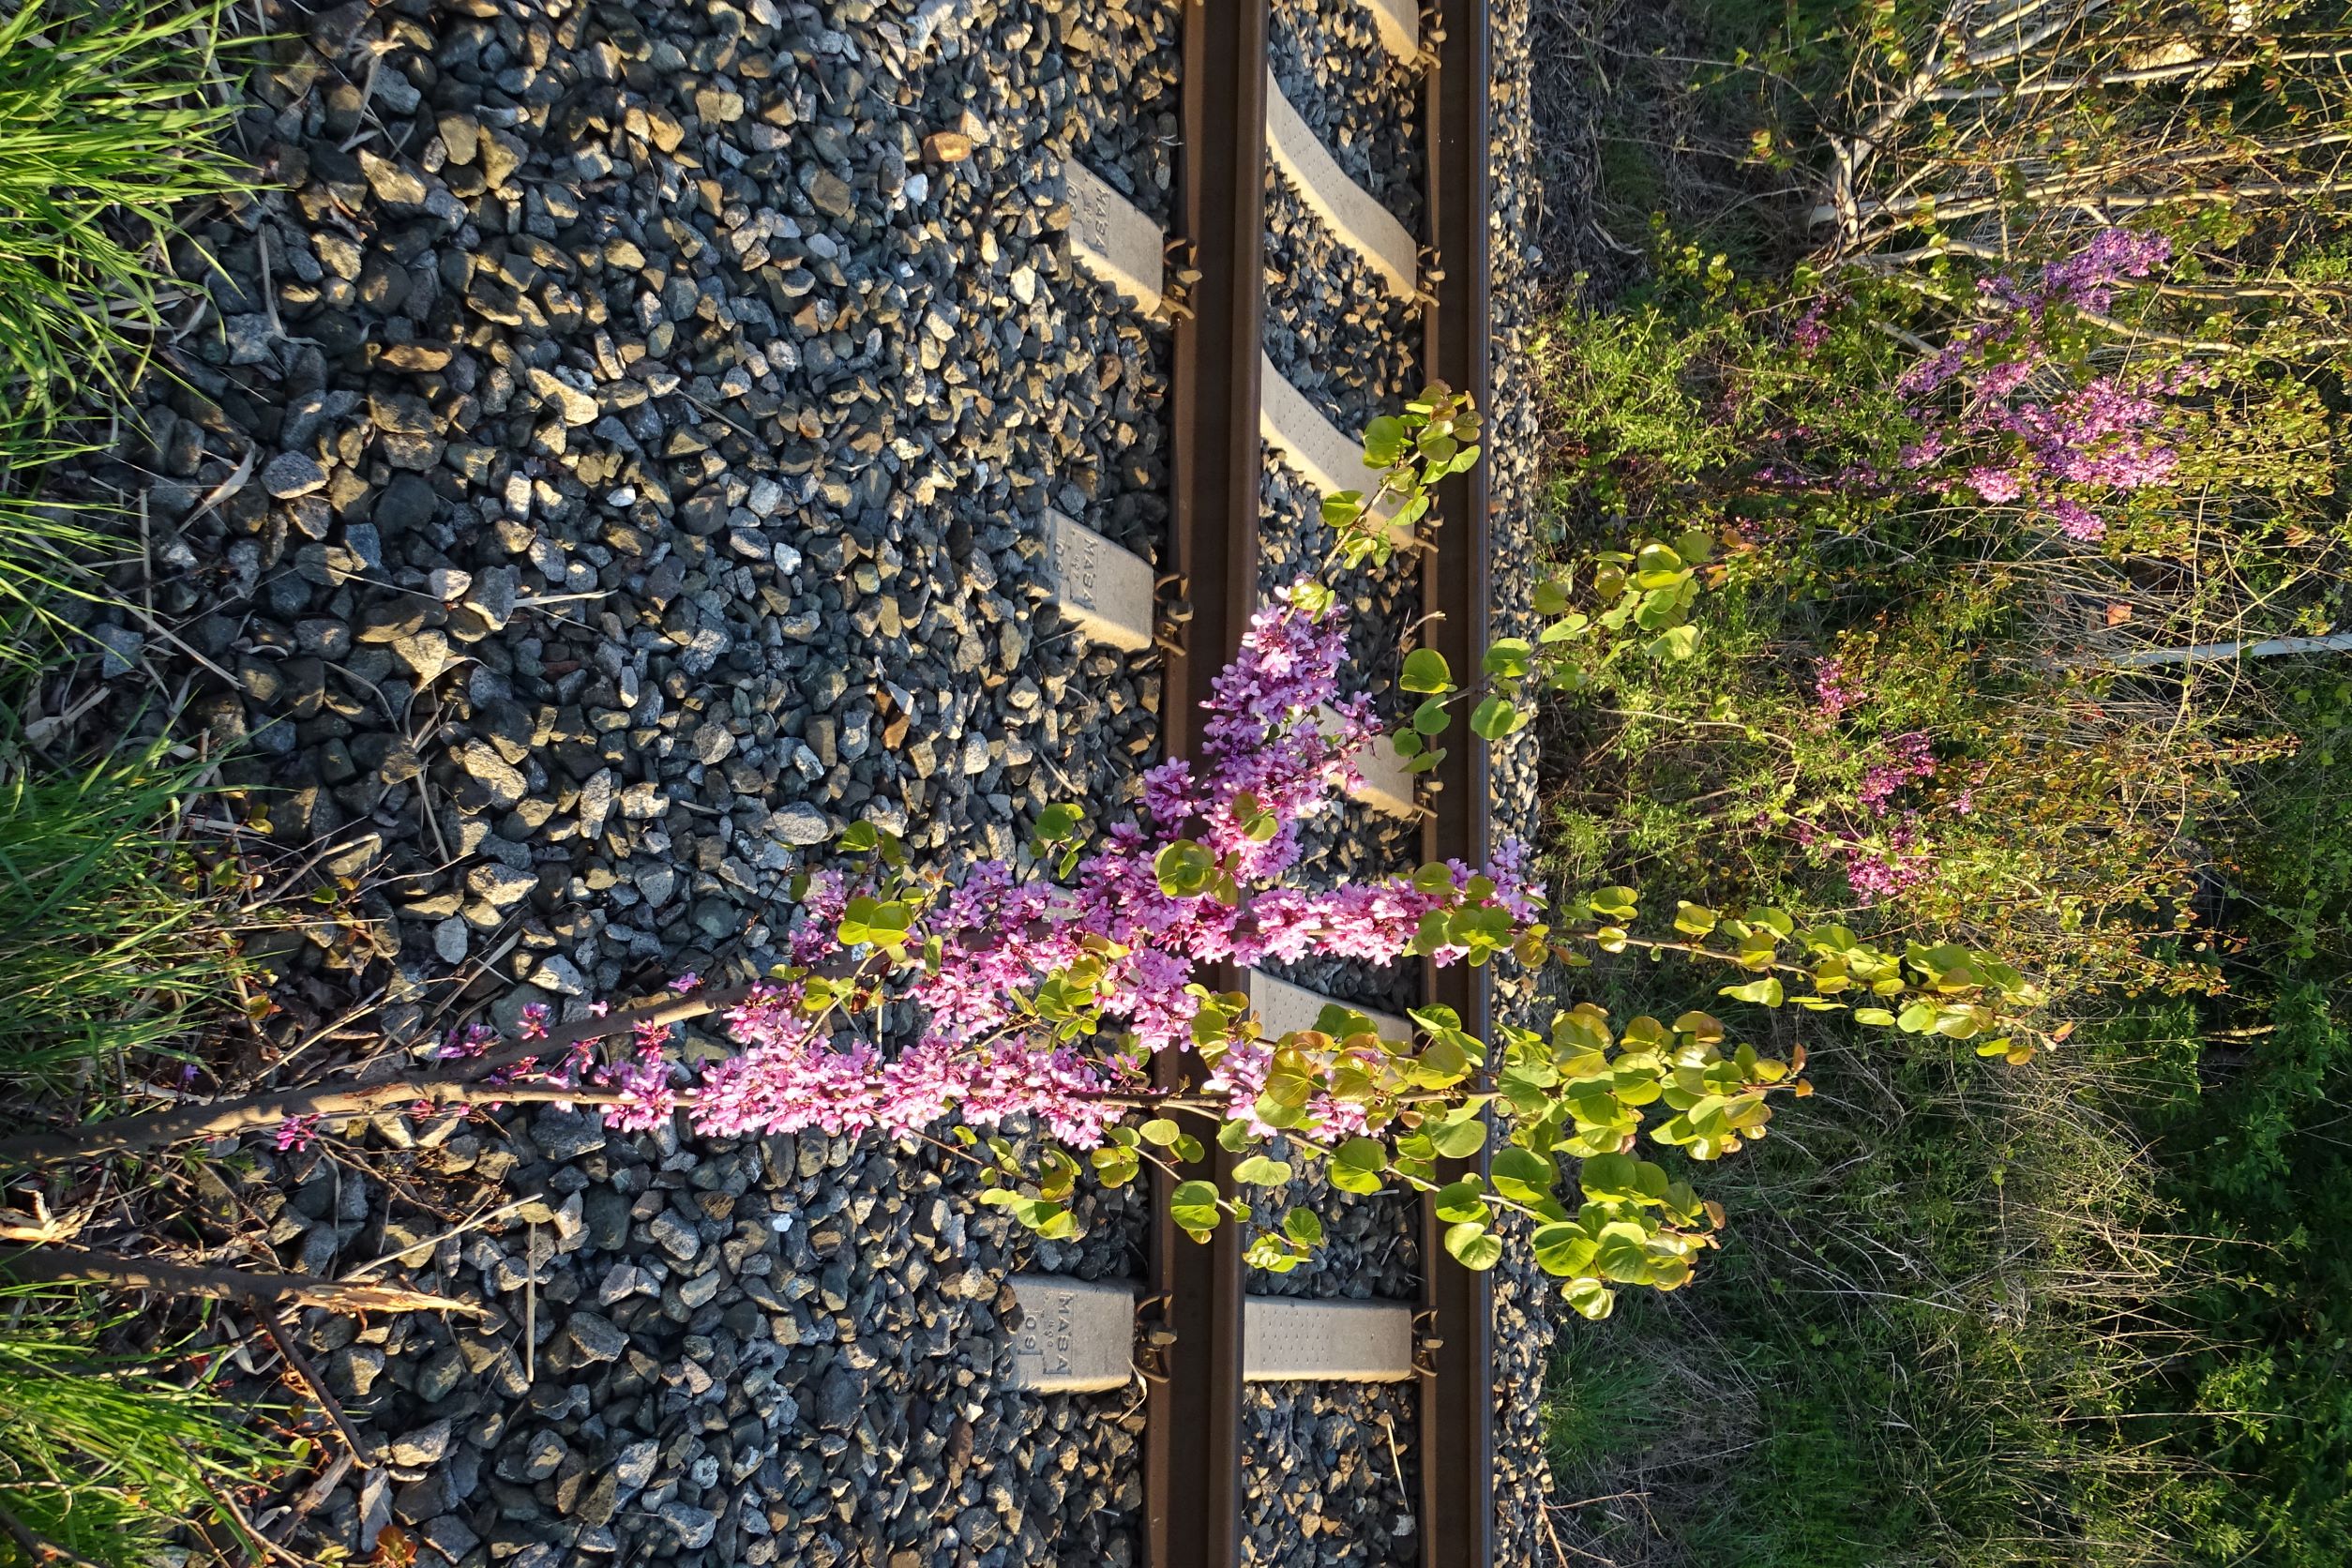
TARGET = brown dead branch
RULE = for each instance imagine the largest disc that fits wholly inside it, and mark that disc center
(59, 1264)
(361, 1450)
(2065, 193)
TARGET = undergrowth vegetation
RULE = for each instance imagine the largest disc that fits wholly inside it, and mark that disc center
(102, 1453)
(117, 938)
(2000, 349)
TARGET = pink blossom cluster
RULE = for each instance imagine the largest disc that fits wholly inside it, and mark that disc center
(1277, 734)
(1885, 854)
(295, 1133)
(2056, 454)
(648, 1099)
(1877, 876)
(1877, 873)
(794, 1073)
(2106, 435)
(1832, 693)
(1909, 759)
(1512, 869)
(472, 1039)
(2085, 281)
(820, 907)
(1812, 329)
(1277, 748)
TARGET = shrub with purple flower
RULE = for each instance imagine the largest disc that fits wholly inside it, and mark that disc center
(2061, 454)
(1834, 691)
(1883, 847)
(1049, 989)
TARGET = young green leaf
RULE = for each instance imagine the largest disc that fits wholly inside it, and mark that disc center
(1563, 1249)
(1522, 1175)
(1427, 671)
(1459, 1140)
(1357, 1164)
(1461, 1200)
(1590, 1299)
(1495, 718)
(1259, 1172)
(1508, 656)
(1473, 1245)
(1193, 1208)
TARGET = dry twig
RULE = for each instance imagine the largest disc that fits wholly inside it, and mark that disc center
(57, 1263)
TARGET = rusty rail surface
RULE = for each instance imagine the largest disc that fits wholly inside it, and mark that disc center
(1193, 1431)
(1457, 1510)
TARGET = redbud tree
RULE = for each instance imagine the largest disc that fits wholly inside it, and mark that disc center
(1042, 989)
(1048, 982)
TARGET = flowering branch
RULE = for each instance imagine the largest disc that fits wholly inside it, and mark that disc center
(1034, 993)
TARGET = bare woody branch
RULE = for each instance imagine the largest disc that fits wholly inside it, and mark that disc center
(59, 1264)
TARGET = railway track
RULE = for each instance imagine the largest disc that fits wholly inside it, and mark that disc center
(690, 380)
(1228, 398)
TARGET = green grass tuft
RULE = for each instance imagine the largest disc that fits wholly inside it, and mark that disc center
(106, 120)
(51, 555)
(110, 945)
(99, 1453)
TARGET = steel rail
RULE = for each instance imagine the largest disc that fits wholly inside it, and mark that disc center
(1193, 1431)
(1458, 1394)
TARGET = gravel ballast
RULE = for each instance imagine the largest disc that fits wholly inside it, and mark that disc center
(1328, 1476)
(1332, 328)
(1362, 102)
(613, 463)
(788, 1350)
(1527, 1301)
(648, 477)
